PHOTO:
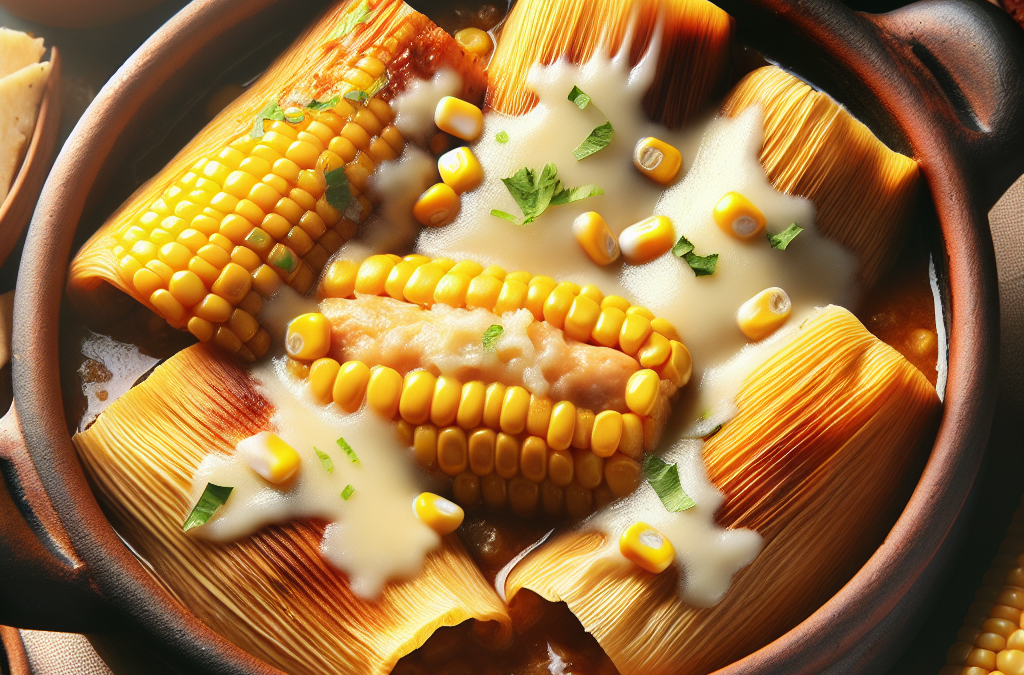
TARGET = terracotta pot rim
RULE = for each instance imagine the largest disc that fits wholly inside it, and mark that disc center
(924, 527)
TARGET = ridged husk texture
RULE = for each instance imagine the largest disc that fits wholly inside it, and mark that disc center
(273, 594)
(311, 68)
(813, 460)
(862, 191)
(693, 53)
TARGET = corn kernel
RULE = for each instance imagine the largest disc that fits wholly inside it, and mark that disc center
(308, 337)
(540, 288)
(146, 282)
(270, 456)
(664, 327)
(1010, 661)
(657, 160)
(373, 274)
(384, 390)
(514, 409)
(609, 325)
(596, 238)
(582, 318)
(422, 283)
(187, 288)
(201, 328)
(655, 351)
(481, 451)
(533, 459)
(166, 305)
(642, 390)
(474, 41)
(647, 547)
(679, 365)
(399, 277)
(444, 406)
(562, 425)
(506, 456)
(631, 443)
(437, 206)
(471, 404)
(460, 170)
(439, 514)
(459, 118)
(350, 385)
(451, 290)
(634, 333)
(737, 216)
(417, 392)
(644, 241)
(424, 445)
(512, 296)
(340, 279)
(484, 291)
(557, 306)
(494, 396)
(322, 376)
(606, 434)
(764, 313)
(233, 283)
(213, 308)
(622, 474)
(452, 451)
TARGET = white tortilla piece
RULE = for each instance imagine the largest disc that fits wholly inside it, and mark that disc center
(20, 94)
(18, 50)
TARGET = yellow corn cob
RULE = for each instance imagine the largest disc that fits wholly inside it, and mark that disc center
(583, 313)
(863, 192)
(695, 41)
(991, 639)
(272, 594)
(244, 207)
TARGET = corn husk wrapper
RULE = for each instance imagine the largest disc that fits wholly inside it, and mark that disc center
(825, 431)
(694, 46)
(862, 191)
(313, 67)
(272, 594)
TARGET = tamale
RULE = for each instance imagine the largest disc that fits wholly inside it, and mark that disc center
(812, 461)
(862, 191)
(244, 206)
(693, 37)
(272, 594)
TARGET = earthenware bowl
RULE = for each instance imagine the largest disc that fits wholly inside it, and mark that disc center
(942, 80)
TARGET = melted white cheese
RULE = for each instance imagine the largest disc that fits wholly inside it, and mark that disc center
(374, 536)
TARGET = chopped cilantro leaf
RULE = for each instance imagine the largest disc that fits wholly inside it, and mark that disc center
(325, 460)
(504, 214)
(599, 138)
(357, 96)
(501, 137)
(702, 265)
(213, 498)
(338, 194)
(535, 191)
(577, 96)
(664, 478)
(490, 338)
(317, 106)
(343, 444)
(272, 112)
(782, 239)
(347, 492)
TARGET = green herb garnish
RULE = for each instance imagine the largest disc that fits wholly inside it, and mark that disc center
(360, 14)
(343, 444)
(272, 112)
(490, 338)
(294, 118)
(781, 240)
(357, 96)
(501, 137)
(702, 265)
(338, 194)
(325, 460)
(534, 192)
(317, 106)
(599, 138)
(504, 214)
(347, 492)
(664, 478)
(213, 498)
(578, 97)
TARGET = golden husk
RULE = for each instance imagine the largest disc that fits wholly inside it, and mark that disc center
(309, 68)
(862, 191)
(813, 461)
(694, 49)
(272, 594)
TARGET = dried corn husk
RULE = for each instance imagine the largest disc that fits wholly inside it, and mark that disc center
(862, 191)
(272, 594)
(693, 49)
(318, 65)
(825, 431)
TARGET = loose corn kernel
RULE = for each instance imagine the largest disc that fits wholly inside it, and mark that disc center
(642, 390)
(459, 118)
(422, 283)
(452, 450)
(340, 279)
(562, 425)
(444, 406)
(471, 404)
(514, 409)
(737, 216)
(606, 434)
(648, 548)
(609, 325)
(437, 206)
(582, 318)
(271, 457)
(373, 274)
(460, 170)
(308, 337)
(657, 160)
(764, 313)
(644, 241)
(439, 514)
(417, 392)
(323, 374)
(474, 41)
(634, 333)
(384, 390)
